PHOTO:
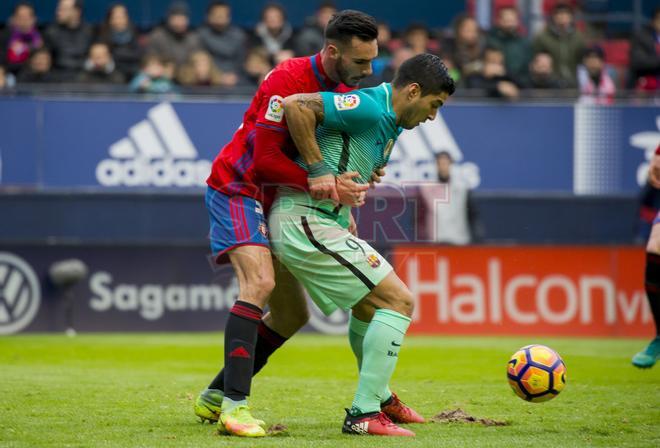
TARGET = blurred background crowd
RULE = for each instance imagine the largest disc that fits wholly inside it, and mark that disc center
(570, 53)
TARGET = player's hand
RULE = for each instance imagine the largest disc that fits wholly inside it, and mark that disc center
(352, 225)
(654, 171)
(323, 187)
(350, 192)
(377, 177)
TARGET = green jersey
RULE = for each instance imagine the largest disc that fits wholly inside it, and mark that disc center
(357, 134)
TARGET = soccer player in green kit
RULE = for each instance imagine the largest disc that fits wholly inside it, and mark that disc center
(356, 132)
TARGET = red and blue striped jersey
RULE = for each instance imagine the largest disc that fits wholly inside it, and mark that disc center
(233, 170)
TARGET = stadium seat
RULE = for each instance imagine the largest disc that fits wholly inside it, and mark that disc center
(617, 55)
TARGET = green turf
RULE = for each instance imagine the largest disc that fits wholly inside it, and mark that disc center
(137, 390)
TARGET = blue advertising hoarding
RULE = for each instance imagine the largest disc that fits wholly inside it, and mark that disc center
(48, 143)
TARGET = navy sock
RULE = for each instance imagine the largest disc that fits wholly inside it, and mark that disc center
(240, 339)
(652, 286)
(268, 341)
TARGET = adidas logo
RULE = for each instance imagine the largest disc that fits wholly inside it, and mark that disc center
(157, 152)
(239, 352)
(360, 428)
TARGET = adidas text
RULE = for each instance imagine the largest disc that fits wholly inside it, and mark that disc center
(157, 152)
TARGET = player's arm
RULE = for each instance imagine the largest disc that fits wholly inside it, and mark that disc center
(271, 164)
(304, 112)
(654, 169)
(377, 176)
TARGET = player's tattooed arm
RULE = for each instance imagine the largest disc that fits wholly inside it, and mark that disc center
(304, 111)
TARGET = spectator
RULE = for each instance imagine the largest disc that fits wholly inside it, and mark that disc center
(122, 36)
(385, 43)
(257, 66)
(594, 81)
(69, 39)
(311, 37)
(154, 76)
(453, 221)
(541, 73)
(466, 46)
(201, 71)
(645, 55)
(7, 79)
(174, 40)
(418, 39)
(385, 46)
(274, 33)
(226, 43)
(453, 71)
(100, 68)
(399, 57)
(649, 205)
(493, 77)
(39, 69)
(20, 38)
(563, 42)
(506, 37)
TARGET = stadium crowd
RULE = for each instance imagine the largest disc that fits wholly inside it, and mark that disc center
(501, 61)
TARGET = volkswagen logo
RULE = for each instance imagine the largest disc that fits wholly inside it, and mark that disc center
(20, 294)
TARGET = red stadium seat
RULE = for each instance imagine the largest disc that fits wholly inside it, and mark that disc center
(618, 57)
(617, 51)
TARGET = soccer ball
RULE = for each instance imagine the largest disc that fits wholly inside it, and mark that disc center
(536, 373)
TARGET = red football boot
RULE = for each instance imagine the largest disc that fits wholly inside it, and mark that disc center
(375, 423)
(399, 412)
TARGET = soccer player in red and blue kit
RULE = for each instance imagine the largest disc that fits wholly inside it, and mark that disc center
(647, 357)
(258, 156)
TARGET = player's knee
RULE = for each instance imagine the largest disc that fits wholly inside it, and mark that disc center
(258, 289)
(265, 285)
(402, 302)
(406, 303)
(298, 318)
(290, 322)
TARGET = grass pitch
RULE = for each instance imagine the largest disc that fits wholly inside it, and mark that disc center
(136, 391)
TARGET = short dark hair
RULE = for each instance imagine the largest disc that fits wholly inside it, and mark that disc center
(594, 50)
(562, 6)
(444, 153)
(428, 71)
(507, 8)
(327, 4)
(417, 26)
(492, 49)
(346, 24)
(217, 4)
(274, 5)
(24, 4)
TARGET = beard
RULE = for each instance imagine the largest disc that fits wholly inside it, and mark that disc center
(345, 75)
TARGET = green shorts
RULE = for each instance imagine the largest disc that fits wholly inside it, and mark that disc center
(337, 269)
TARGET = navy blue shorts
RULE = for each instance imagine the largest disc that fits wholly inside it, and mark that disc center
(235, 221)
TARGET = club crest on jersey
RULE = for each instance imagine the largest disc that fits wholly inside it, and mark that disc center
(275, 111)
(347, 102)
(263, 230)
(373, 260)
